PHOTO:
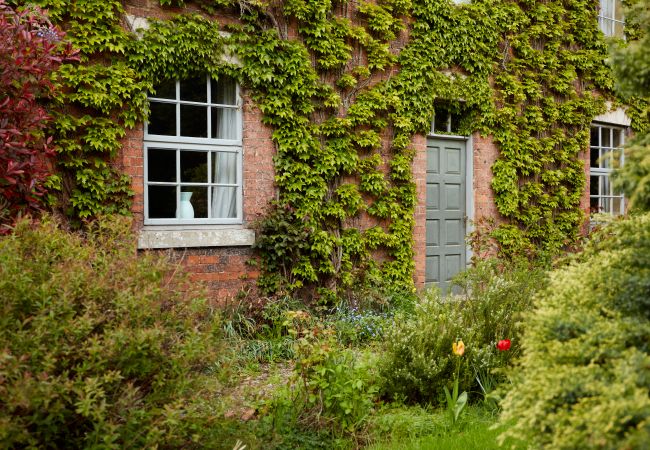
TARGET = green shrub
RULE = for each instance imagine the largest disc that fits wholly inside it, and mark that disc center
(98, 347)
(584, 378)
(333, 389)
(419, 359)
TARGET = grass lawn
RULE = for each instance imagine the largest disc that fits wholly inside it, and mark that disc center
(415, 429)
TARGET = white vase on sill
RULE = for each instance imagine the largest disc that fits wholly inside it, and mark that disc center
(185, 209)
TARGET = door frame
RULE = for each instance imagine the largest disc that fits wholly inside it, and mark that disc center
(469, 182)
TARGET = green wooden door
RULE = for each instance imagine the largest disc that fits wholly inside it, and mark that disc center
(446, 210)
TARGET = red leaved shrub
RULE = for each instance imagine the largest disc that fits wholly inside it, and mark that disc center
(31, 48)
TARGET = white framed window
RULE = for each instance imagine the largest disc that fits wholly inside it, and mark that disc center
(193, 153)
(605, 149)
(610, 18)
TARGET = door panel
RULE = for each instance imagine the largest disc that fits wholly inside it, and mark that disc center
(445, 210)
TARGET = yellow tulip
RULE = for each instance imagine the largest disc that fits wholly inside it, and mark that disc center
(458, 348)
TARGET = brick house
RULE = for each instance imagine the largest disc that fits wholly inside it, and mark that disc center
(207, 138)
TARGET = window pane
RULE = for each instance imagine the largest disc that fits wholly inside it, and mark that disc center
(607, 8)
(194, 90)
(455, 123)
(618, 10)
(605, 158)
(606, 187)
(593, 185)
(593, 137)
(166, 90)
(593, 157)
(617, 142)
(194, 167)
(224, 91)
(618, 30)
(224, 123)
(162, 202)
(194, 121)
(224, 202)
(617, 204)
(162, 119)
(161, 165)
(593, 205)
(441, 120)
(198, 200)
(605, 205)
(604, 137)
(225, 168)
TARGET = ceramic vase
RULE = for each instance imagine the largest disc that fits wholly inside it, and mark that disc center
(185, 209)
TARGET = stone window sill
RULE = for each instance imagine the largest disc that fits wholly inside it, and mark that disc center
(160, 237)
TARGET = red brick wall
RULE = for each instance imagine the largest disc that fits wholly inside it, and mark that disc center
(485, 153)
(224, 271)
(584, 201)
(419, 233)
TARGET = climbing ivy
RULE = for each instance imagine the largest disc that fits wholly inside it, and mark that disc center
(322, 72)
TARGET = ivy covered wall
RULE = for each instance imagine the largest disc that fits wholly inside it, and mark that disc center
(345, 86)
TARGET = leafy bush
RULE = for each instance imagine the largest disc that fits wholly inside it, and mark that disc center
(30, 50)
(583, 381)
(99, 345)
(419, 360)
(332, 389)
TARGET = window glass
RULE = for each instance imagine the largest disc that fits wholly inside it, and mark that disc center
(162, 119)
(162, 202)
(224, 123)
(224, 91)
(610, 18)
(194, 90)
(223, 202)
(161, 165)
(194, 121)
(199, 200)
(605, 148)
(166, 90)
(193, 153)
(194, 167)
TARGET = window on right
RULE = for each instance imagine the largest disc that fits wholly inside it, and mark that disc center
(610, 18)
(606, 153)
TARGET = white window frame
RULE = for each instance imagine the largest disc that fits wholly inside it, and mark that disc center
(210, 145)
(608, 24)
(603, 173)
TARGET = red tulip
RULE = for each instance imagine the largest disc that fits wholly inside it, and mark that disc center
(503, 345)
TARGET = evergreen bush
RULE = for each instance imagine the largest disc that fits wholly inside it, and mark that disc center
(99, 344)
(584, 378)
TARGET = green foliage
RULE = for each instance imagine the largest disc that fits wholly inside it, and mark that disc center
(284, 240)
(633, 178)
(543, 119)
(97, 99)
(630, 60)
(343, 119)
(100, 345)
(583, 378)
(630, 63)
(331, 382)
(331, 390)
(419, 361)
